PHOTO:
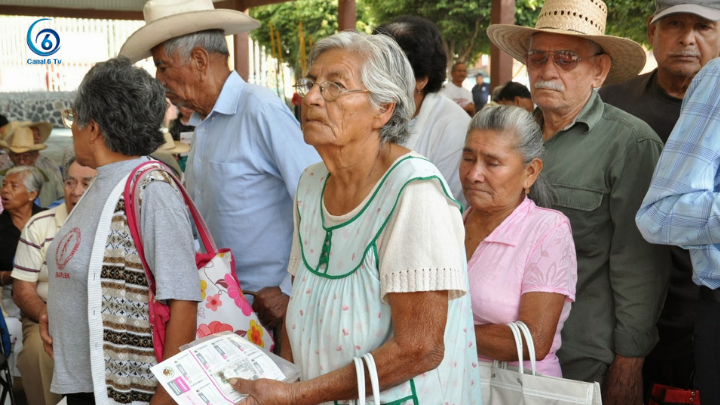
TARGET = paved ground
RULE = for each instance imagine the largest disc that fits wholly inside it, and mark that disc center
(59, 140)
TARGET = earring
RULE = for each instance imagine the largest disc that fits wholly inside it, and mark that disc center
(527, 191)
(418, 91)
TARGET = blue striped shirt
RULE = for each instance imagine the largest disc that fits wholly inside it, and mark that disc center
(682, 206)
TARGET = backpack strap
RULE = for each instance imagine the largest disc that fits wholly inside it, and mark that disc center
(132, 211)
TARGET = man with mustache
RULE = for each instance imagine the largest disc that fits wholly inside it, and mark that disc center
(248, 152)
(600, 160)
(685, 35)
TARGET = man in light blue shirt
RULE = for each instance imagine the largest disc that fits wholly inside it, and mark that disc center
(248, 151)
(682, 208)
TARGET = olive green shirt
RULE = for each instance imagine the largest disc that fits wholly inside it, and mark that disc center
(601, 166)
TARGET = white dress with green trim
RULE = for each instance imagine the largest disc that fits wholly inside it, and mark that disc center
(336, 311)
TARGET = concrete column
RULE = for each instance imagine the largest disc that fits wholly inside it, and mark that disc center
(347, 15)
(501, 64)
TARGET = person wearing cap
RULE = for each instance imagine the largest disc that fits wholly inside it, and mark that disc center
(248, 152)
(514, 93)
(41, 132)
(30, 282)
(600, 160)
(685, 35)
(23, 151)
(455, 91)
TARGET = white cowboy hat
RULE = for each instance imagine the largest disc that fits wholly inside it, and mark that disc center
(167, 19)
(171, 146)
(21, 141)
(578, 18)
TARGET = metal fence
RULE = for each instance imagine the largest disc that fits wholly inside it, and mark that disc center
(84, 42)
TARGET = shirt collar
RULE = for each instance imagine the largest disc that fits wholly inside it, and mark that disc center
(61, 214)
(589, 116)
(228, 100)
(509, 231)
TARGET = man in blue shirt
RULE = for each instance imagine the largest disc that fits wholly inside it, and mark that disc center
(248, 151)
(682, 208)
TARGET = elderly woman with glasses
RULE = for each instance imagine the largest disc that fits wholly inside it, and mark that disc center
(377, 256)
(97, 304)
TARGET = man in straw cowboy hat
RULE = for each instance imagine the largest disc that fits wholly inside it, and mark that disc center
(41, 132)
(685, 35)
(23, 151)
(248, 151)
(600, 160)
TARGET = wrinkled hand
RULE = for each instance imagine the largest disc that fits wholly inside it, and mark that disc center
(623, 384)
(270, 304)
(45, 333)
(264, 391)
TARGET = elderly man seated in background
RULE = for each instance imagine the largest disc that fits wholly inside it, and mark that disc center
(31, 283)
(41, 132)
(24, 151)
(600, 160)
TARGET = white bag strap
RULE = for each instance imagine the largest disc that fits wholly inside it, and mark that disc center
(372, 369)
(360, 371)
(530, 344)
(518, 345)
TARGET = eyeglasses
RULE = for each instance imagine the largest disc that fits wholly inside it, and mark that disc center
(330, 91)
(68, 117)
(23, 158)
(565, 60)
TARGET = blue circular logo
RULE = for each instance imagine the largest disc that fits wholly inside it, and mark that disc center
(47, 39)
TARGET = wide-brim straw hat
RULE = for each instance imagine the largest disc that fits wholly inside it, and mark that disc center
(21, 141)
(578, 18)
(172, 146)
(167, 19)
(11, 127)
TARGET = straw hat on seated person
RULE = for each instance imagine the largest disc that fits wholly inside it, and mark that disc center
(21, 141)
(578, 18)
(165, 153)
(44, 129)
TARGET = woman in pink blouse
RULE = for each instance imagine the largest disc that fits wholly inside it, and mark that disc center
(521, 254)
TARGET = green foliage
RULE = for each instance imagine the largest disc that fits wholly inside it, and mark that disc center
(628, 18)
(461, 22)
(319, 18)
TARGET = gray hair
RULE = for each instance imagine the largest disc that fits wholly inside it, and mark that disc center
(126, 103)
(68, 160)
(213, 41)
(517, 122)
(386, 73)
(31, 176)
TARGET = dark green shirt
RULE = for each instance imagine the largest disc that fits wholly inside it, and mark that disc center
(601, 166)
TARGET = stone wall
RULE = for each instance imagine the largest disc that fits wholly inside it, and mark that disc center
(36, 106)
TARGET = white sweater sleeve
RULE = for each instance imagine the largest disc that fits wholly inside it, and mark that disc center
(422, 246)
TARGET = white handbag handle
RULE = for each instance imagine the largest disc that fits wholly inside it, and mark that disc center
(372, 369)
(360, 371)
(530, 344)
(518, 345)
